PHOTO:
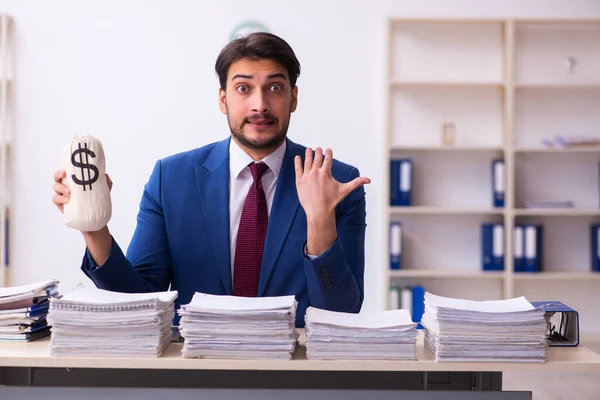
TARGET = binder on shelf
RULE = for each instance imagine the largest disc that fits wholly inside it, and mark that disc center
(401, 182)
(395, 245)
(532, 262)
(595, 247)
(492, 247)
(518, 249)
(498, 180)
(418, 304)
(563, 323)
(394, 297)
(406, 298)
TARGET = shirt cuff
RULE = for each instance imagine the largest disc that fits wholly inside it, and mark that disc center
(308, 255)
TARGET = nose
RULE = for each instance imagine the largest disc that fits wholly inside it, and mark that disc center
(259, 102)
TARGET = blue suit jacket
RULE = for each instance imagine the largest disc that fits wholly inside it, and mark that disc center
(181, 240)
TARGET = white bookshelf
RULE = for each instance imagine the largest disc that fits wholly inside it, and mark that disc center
(6, 78)
(506, 85)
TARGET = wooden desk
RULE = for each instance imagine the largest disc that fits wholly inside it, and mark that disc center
(31, 364)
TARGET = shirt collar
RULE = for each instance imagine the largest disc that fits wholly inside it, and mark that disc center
(238, 159)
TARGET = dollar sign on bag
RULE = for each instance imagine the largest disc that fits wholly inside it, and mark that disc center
(84, 166)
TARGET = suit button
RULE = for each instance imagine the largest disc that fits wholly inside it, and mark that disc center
(324, 268)
(328, 285)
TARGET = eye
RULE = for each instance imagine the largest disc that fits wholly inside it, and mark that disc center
(276, 88)
(242, 89)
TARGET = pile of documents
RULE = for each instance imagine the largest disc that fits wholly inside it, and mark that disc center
(23, 310)
(94, 322)
(503, 330)
(239, 327)
(385, 335)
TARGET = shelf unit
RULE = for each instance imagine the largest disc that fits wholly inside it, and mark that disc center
(506, 84)
(6, 77)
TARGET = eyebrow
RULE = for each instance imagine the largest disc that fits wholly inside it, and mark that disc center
(272, 76)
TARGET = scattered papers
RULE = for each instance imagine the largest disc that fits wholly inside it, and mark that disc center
(96, 322)
(23, 310)
(239, 327)
(503, 330)
(386, 335)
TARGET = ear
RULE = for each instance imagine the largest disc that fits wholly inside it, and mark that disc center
(294, 98)
(222, 104)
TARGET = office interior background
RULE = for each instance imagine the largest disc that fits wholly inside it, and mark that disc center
(139, 75)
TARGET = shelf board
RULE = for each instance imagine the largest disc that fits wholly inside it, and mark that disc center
(449, 148)
(440, 273)
(558, 212)
(445, 84)
(556, 275)
(569, 149)
(557, 85)
(428, 210)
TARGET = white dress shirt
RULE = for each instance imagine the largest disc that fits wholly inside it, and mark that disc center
(240, 180)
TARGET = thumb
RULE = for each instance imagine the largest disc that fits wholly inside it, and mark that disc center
(354, 184)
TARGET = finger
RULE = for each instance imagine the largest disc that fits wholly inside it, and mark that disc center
(298, 167)
(308, 159)
(59, 200)
(318, 161)
(328, 159)
(109, 182)
(354, 184)
(61, 189)
(59, 175)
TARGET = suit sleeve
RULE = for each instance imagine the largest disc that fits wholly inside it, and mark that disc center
(146, 268)
(336, 278)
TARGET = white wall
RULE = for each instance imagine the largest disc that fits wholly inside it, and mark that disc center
(139, 76)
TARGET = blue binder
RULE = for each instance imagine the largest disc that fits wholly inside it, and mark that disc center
(564, 323)
(395, 245)
(498, 182)
(533, 248)
(595, 248)
(518, 248)
(492, 247)
(401, 182)
(418, 304)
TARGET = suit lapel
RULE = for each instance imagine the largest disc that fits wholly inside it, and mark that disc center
(283, 211)
(213, 185)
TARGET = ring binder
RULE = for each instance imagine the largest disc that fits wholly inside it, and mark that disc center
(567, 334)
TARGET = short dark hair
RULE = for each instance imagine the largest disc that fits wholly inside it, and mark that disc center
(258, 46)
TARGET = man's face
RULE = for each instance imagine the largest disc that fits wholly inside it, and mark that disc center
(258, 102)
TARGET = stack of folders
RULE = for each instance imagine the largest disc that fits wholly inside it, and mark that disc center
(95, 322)
(239, 327)
(23, 310)
(384, 335)
(510, 330)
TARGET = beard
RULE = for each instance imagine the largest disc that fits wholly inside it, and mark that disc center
(267, 143)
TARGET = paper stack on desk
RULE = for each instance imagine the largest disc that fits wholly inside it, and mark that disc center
(23, 310)
(385, 335)
(503, 330)
(95, 322)
(239, 327)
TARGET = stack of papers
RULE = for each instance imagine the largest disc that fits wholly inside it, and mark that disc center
(23, 310)
(95, 322)
(385, 335)
(239, 327)
(504, 330)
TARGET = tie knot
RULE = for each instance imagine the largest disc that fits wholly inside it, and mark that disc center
(257, 170)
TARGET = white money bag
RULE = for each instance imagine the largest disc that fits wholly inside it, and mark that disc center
(89, 207)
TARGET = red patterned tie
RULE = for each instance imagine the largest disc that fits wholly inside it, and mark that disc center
(251, 237)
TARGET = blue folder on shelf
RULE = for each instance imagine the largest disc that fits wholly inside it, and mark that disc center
(498, 182)
(395, 245)
(401, 182)
(492, 247)
(595, 247)
(563, 330)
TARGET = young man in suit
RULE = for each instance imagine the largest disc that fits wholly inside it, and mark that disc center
(253, 215)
